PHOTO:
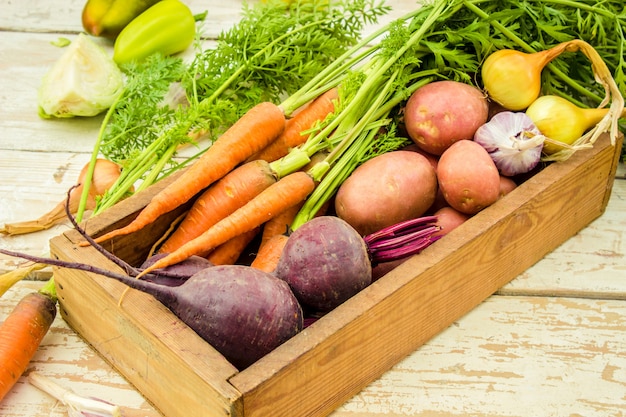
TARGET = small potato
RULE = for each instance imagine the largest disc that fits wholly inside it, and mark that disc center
(449, 219)
(506, 185)
(433, 159)
(385, 190)
(443, 112)
(468, 177)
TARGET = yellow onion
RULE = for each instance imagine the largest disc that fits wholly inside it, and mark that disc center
(513, 78)
(562, 121)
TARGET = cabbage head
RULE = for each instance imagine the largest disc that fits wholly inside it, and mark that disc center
(84, 82)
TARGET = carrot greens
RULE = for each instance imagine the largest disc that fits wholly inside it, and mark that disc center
(449, 40)
(317, 49)
(271, 52)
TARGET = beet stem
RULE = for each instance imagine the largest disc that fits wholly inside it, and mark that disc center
(401, 239)
(130, 270)
(400, 228)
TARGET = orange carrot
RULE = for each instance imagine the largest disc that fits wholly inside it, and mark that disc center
(228, 253)
(280, 224)
(304, 120)
(269, 253)
(22, 332)
(286, 192)
(251, 133)
(221, 199)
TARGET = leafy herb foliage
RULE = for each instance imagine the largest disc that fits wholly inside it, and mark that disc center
(275, 48)
(278, 46)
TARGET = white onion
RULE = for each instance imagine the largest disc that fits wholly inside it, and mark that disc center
(513, 142)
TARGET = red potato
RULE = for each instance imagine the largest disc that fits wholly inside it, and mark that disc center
(506, 185)
(444, 112)
(449, 219)
(440, 202)
(468, 177)
(386, 190)
(433, 159)
(382, 269)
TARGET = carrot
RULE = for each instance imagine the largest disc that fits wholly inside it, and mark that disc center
(304, 120)
(229, 252)
(269, 253)
(219, 200)
(286, 192)
(22, 332)
(251, 133)
(280, 224)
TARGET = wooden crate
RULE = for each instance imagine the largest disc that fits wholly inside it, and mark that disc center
(327, 363)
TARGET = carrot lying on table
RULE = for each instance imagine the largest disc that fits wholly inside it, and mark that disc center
(304, 120)
(251, 133)
(229, 252)
(22, 332)
(222, 198)
(286, 192)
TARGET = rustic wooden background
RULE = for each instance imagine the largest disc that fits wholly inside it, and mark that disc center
(550, 343)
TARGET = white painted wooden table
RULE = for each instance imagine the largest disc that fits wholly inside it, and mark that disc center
(551, 343)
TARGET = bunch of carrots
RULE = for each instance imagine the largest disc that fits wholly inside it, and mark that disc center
(254, 171)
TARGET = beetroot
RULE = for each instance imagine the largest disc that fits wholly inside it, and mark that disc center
(325, 262)
(244, 313)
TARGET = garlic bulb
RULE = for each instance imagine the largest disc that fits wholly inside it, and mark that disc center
(513, 142)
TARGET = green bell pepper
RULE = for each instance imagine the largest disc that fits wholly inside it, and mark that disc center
(168, 27)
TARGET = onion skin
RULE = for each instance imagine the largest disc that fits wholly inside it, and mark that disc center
(513, 78)
(562, 121)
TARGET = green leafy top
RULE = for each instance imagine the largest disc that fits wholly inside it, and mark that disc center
(271, 52)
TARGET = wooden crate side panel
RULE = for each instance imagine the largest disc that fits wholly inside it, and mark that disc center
(143, 340)
(614, 168)
(136, 247)
(334, 359)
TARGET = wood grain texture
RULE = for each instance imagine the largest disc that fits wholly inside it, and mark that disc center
(511, 356)
(68, 360)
